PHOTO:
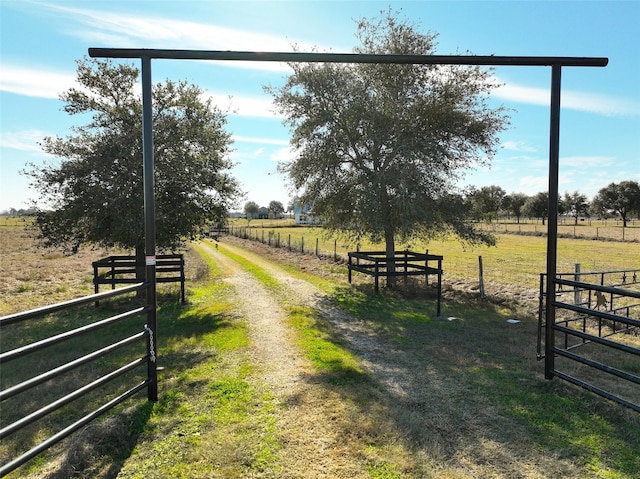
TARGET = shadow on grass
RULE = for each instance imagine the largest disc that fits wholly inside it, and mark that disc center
(100, 449)
(468, 386)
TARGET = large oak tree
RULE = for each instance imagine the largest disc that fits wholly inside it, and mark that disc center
(380, 146)
(94, 192)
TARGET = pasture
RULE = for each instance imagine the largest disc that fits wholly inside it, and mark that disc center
(516, 261)
(472, 402)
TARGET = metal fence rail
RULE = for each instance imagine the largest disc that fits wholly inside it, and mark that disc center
(31, 384)
(121, 269)
(607, 320)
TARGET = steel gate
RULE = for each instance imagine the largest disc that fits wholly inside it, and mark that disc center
(595, 332)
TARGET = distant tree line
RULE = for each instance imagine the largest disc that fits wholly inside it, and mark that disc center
(19, 212)
(489, 203)
(620, 200)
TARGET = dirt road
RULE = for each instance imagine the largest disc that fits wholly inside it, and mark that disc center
(414, 414)
(315, 422)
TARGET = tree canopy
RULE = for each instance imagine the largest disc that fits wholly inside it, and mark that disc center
(251, 209)
(95, 193)
(276, 209)
(575, 204)
(487, 201)
(380, 146)
(621, 198)
(515, 203)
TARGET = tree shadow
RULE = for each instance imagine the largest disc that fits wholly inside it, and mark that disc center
(467, 389)
(100, 449)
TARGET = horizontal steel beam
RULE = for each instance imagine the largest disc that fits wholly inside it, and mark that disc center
(347, 57)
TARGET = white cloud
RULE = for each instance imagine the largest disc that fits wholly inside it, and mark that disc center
(283, 155)
(586, 161)
(573, 100)
(518, 146)
(129, 31)
(43, 83)
(261, 107)
(26, 140)
(533, 184)
(266, 141)
(602, 104)
(34, 82)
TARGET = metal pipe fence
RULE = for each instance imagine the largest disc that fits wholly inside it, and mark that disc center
(601, 230)
(23, 354)
(596, 328)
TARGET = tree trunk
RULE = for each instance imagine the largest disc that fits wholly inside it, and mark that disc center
(390, 253)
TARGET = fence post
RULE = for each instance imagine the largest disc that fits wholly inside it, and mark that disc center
(182, 279)
(481, 276)
(376, 275)
(316, 246)
(302, 246)
(406, 266)
(438, 312)
(577, 293)
(349, 267)
(426, 268)
(335, 250)
(96, 286)
(278, 245)
(289, 242)
(149, 228)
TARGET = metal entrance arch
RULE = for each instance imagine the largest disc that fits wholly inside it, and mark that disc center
(556, 64)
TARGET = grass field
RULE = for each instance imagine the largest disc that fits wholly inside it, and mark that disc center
(475, 403)
(589, 229)
(516, 260)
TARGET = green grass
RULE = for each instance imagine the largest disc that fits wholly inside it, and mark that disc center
(319, 344)
(226, 425)
(477, 370)
(481, 358)
(315, 337)
(516, 259)
(472, 380)
(213, 418)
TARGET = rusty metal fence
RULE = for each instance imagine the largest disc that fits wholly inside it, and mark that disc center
(23, 390)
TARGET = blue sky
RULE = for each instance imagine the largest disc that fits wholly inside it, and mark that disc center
(600, 119)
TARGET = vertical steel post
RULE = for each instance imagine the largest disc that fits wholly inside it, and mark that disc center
(439, 311)
(149, 226)
(552, 227)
